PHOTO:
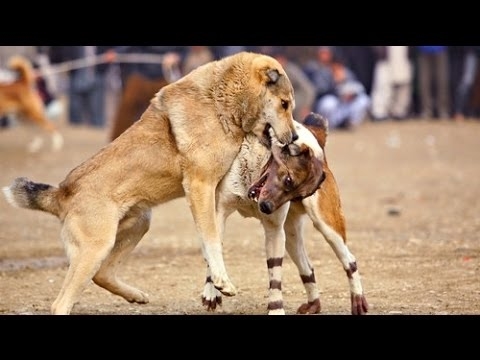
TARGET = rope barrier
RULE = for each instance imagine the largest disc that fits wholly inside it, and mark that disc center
(171, 73)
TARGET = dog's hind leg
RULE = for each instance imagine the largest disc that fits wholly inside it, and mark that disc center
(36, 114)
(296, 250)
(130, 231)
(88, 240)
(330, 227)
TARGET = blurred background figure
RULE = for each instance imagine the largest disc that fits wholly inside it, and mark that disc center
(141, 81)
(392, 83)
(433, 81)
(340, 96)
(196, 56)
(6, 75)
(463, 91)
(86, 86)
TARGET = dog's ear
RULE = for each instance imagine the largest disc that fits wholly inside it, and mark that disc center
(273, 75)
(268, 69)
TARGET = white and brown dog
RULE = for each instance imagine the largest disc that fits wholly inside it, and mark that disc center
(283, 226)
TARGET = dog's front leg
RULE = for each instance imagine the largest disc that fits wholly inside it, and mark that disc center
(201, 199)
(296, 249)
(211, 297)
(275, 251)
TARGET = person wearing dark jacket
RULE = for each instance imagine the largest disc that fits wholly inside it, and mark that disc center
(86, 85)
(141, 81)
(463, 90)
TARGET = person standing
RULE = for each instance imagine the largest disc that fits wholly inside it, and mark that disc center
(433, 81)
(86, 86)
(463, 91)
(392, 83)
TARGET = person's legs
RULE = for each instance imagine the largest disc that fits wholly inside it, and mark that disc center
(328, 107)
(97, 102)
(75, 106)
(425, 85)
(466, 84)
(402, 100)
(358, 109)
(381, 91)
(442, 74)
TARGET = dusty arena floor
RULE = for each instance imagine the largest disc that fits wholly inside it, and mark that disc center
(410, 192)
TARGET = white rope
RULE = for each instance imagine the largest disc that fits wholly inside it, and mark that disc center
(171, 73)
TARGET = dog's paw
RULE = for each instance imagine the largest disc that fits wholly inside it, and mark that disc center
(276, 312)
(359, 304)
(226, 287)
(211, 297)
(35, 145)
(138, 297)
(57, 141)
(312, 307)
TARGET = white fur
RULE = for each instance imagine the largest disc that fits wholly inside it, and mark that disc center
(9, 196)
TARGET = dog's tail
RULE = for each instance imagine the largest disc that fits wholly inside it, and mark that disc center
(23, 67)
(27, 194)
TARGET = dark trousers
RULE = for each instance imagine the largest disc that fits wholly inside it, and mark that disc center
(434, 85)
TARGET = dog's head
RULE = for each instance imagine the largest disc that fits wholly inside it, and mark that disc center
(293, 172)
(274, 98)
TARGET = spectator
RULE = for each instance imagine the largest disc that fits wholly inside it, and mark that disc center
(341, 98)
(463, 91)
(361, 60)
(392, 83)
(140, 82)
(433, 81)
(86, 86)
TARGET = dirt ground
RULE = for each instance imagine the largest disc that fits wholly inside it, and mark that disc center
(410, 192)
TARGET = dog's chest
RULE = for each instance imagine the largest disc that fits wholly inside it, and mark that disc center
(245, 170)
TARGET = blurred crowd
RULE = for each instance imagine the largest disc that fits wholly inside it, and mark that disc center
(346, 84)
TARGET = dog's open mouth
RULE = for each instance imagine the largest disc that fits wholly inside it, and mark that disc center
(255, 190)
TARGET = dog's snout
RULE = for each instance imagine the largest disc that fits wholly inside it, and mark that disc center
(294, 136)
(266, 207)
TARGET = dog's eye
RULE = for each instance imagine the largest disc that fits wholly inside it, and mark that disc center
(284, 104)
(288, 182)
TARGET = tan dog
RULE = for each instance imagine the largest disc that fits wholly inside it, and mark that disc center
(183, 144)
(22, 99)
(285, 226)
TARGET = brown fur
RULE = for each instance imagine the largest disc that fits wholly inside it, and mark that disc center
(183, 144)
(22, 99)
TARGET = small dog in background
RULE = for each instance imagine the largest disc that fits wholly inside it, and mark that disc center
(22, 99)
